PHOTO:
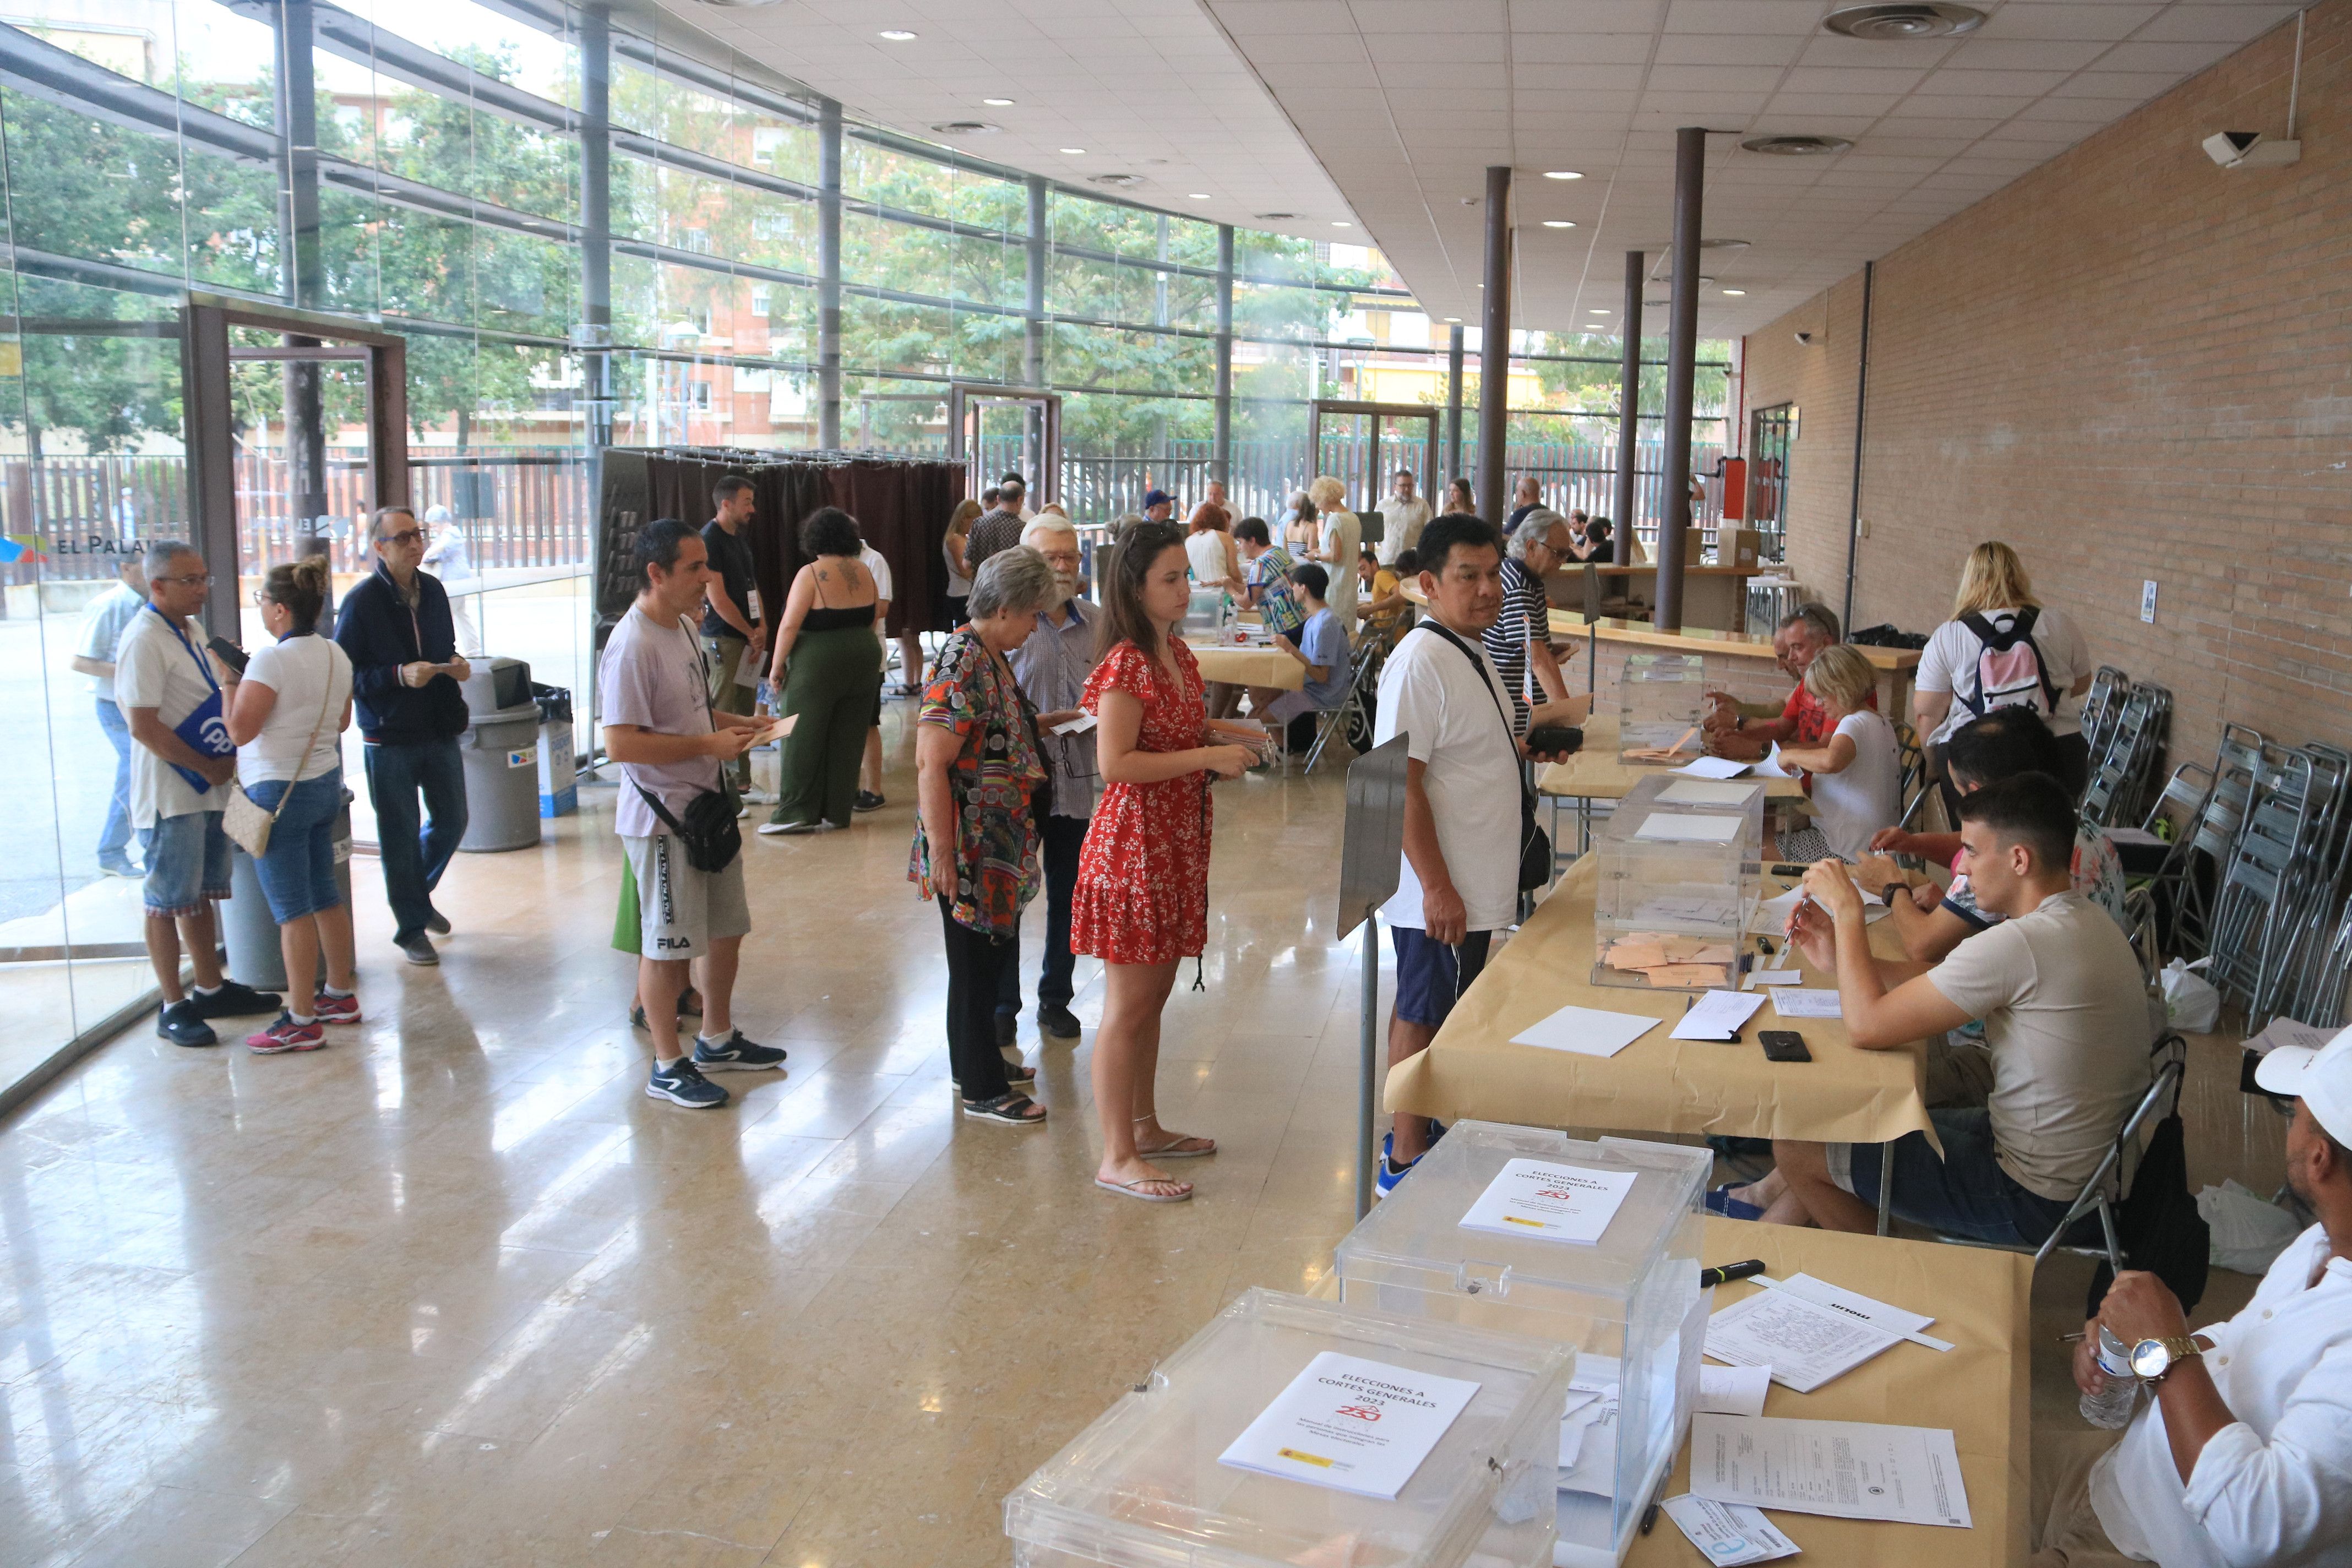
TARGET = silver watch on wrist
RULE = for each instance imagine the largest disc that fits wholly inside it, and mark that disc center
(2152, 1359)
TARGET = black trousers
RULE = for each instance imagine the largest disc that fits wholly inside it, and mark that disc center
(1064, 838)
(978, 965)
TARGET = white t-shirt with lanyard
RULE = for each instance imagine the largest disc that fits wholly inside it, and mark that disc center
(310, 675)
(1451, 708)
(159, 666)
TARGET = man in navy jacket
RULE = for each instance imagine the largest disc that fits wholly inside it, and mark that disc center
(405, 669)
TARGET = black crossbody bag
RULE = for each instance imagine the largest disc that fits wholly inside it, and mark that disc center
(708, 832)
(1535, 844)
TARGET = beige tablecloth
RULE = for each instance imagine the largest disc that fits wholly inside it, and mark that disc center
(1249, 666)
(1844, 1094)
(1595, 774)
(1980, 1389)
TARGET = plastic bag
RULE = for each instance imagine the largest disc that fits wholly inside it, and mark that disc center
(2248, 1233)
(2189, 1000)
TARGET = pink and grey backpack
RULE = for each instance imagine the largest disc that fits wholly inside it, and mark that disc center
(2010, 671)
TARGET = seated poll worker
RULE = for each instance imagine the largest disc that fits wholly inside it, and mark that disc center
(1320, 645)
(2242, 1454)
(1464, 787)
(2065, 1017)
(1746, 735)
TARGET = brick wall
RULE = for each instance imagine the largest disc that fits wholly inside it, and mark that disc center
(2130, 365)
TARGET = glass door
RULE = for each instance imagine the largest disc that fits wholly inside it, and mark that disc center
(997, 430)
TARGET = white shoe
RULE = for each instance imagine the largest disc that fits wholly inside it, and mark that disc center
(791, 828)
(759, 797)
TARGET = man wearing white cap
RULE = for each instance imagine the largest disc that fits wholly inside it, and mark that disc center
(2243, 1455)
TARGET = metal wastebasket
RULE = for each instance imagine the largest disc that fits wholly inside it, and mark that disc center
(500, 750)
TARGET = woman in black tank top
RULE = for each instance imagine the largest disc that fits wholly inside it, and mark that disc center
(828, 671)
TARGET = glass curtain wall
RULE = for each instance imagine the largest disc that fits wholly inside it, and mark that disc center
(144, 154)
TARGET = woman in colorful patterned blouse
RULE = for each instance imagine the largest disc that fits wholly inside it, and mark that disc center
(977, 771)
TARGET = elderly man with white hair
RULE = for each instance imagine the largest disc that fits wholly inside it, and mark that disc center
(1519, 642)
(1051, 668)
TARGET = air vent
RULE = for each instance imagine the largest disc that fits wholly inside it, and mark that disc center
(1276, 217)
(1901, 23)
(1796, 146)
(1122, 181)
(1723, 245)
(964, 127)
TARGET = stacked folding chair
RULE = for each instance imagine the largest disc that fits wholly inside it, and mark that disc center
(2100, 708)
(2126, 737)
(2280, 880)
(2204, 808)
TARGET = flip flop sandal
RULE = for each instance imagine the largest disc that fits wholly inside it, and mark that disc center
(1721, 1201)
(1176, 1152)
(1135, 1190)
(1009, 1109)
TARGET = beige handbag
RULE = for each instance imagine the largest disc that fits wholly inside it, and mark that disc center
(246, 822)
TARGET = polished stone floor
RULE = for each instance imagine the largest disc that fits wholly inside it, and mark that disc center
(455, 1292)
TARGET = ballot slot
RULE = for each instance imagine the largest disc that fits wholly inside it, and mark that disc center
(1165, 1475)
(1627, 1302)
(1677, 885)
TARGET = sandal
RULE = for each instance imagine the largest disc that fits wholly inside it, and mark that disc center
(1174, 1149)
(1019, 1072)
(1719, 1200)
(1011, 1108)
(1134, 1189)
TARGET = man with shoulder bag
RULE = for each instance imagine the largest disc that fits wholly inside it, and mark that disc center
(675, 817)
(1471, 844)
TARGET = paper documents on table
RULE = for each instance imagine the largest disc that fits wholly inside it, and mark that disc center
(1715, 768)
(1808, 1332)
(1900, 1321)
(1351, 1425)
(1587, 1031)
(1733, 1390)
(1555, 1202)
(1717, 1015)
(1706, 791)
(1771, 977)
(1800, 1002)
(1670, 828)
(1729, 1534)
(1077, 726)
(1847, 1470)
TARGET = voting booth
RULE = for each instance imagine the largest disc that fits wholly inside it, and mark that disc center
(1658, 700)
(1680, 873)
(1289, 1431)
(1590, 1245)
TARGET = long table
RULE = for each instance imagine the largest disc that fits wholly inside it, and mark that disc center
(1844, 1095)
(1249, 666)
(1980, 1389)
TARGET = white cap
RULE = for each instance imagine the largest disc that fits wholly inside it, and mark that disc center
(2322, 1079)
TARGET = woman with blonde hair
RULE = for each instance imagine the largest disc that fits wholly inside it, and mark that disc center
(2002, 648)
(960, 521)
(1857, 784)
(1342, 542)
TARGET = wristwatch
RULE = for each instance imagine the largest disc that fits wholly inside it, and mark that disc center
(1892, 892)
(2151, 1360)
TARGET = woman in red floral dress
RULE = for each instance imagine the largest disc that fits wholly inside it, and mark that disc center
(1142, 899)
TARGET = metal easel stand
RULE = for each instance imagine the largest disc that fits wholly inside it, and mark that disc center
(1371, 852)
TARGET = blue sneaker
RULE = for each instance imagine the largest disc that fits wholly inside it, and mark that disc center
(1385, 1179)
(681, 1084)
(735, 1054)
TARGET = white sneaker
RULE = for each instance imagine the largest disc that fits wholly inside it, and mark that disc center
(759, 797)
(793, 827)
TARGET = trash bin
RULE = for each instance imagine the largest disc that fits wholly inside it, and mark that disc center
(246, 929)
(501, 749)
(558, 788)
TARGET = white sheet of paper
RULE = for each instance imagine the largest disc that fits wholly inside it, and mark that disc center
(2287, 1032)
(1587, 1031)
(1771, 977)
(1577, 1416)
(1671, 829)
(1717, 1015)
(1729, 1534)
(1077, 726)
(1733, 1390)
(1899, 1321)
(1798, 1002)
(1713, 768)
(1550, 1200)
(1706, 791)
(1593, 1466)
(1805, 1344)
(1771, 768)
(1351, 1425)
(1846, 1469)
(749, 672)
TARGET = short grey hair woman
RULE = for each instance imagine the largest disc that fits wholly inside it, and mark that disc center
(977, 766)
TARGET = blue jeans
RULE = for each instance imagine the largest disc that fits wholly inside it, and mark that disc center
(1062, 838)
(115, 838)
(416, 851)
(1965, 1193)
(187, 863)
(298, 874)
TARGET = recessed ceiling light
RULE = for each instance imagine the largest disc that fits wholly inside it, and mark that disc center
(1342, 223)
(1277, 218)
(896, 35)
(1196, 196)
(1900, 22)
(1455, 319)
(1796, 146)
(1558, 223)
(1595, 310)
(1562, 175)
(1736, 293)
(997, 102)
(1074, 151)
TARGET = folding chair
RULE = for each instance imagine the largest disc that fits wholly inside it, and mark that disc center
(2210, 833)
(1363, 675)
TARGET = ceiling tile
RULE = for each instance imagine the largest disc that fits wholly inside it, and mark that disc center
(2181, 57)
(1743, 16)
(1727, 50)
(2230, 25)
(2106, 23)
(1852, 78)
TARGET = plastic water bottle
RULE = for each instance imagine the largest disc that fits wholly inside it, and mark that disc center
(2111, 1408)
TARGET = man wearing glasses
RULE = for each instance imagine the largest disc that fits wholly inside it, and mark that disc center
(173, 695)
(405, 669)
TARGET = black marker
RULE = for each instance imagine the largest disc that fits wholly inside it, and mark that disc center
(1728, 1272)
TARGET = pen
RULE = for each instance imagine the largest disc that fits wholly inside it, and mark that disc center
(1650, 1514)
(1730, 1271)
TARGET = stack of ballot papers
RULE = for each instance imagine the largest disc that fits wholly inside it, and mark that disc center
(1808, 1330)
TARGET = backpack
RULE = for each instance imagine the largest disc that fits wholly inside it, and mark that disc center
(2009, 666)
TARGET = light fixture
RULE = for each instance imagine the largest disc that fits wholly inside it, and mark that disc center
(1558, 223)
(1455, 319)
(1736, 293)
(962, 127)
(1342, 223)
(896, 35)
(1595, 310)
(1796, 146)
(1074, 151)
(1120, 180)
(1901, 22)
(997, 102)
(1196, 196)
(1562, 175)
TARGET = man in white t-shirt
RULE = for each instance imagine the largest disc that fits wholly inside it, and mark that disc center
(2065, 1017)
(1459, 883)
(173, 693)
(660, 728)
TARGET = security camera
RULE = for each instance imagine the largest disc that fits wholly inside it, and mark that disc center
(1805, 338)
(2249, 150)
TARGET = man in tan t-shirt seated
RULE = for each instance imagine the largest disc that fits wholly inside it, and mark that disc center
(2065, 1011)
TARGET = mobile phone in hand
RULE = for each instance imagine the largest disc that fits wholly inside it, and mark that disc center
(228, 653)
(1554, 739)
(1784, 1046)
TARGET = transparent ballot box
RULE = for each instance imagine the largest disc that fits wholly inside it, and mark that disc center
(1658, 703)
(1676, 886)
(1462, 1241)
(1151, 1484)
